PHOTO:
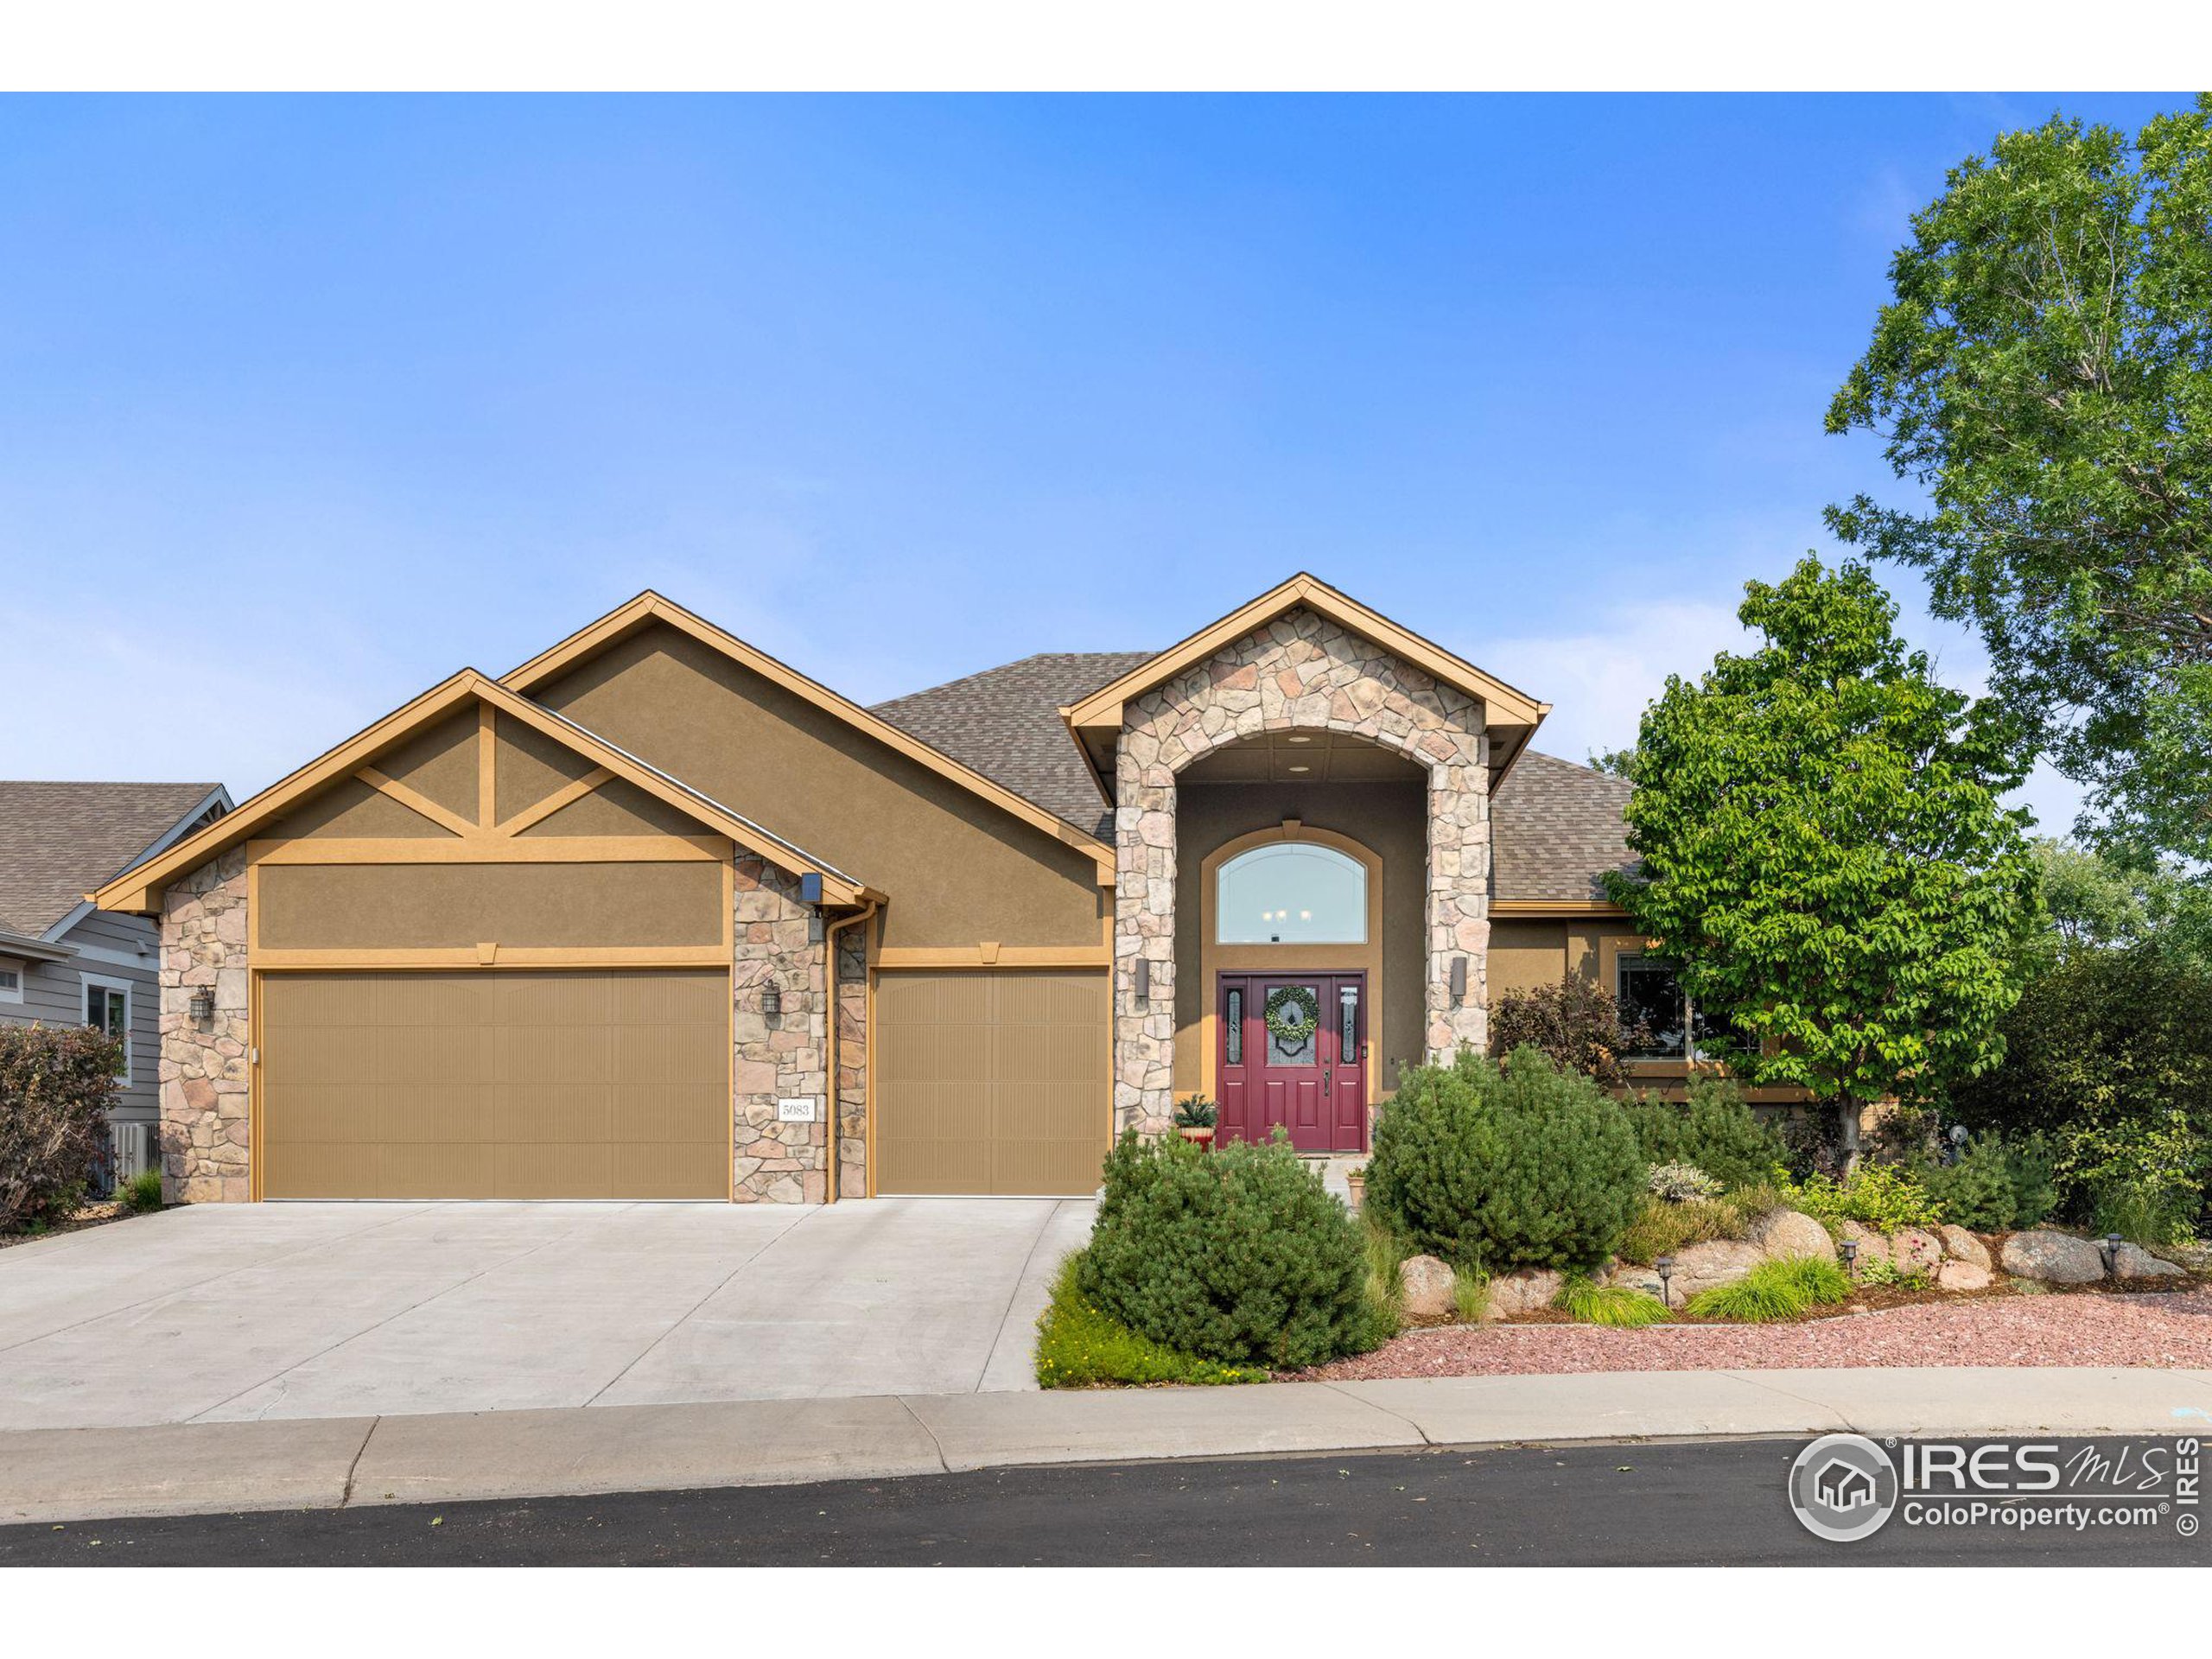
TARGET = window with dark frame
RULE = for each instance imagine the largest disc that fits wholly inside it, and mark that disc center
(1650, 991)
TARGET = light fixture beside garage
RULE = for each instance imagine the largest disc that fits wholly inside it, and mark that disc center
(1143, 985)
(203, 1004)
(772, 1001)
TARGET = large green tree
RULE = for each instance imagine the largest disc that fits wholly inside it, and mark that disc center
(2045, 372)
(1823, 851)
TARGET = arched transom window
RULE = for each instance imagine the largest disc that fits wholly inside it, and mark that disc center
(1291, 892)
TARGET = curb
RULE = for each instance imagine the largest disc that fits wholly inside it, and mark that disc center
(57, 1475)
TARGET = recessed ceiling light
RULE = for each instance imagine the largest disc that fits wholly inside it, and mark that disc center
(1298, 737)
(1301, 768)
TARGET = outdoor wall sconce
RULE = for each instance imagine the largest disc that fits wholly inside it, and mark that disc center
(1459, 979)
(1849, 1250)
(1665, 1265)
(2110, 1250)
(771, 1001)
(1143, 981)
(203, 1004)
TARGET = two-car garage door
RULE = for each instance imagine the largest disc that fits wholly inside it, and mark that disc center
(492, 1085)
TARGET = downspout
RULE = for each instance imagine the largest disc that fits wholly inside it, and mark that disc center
(833, 1100)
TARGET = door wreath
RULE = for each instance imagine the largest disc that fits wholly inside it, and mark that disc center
(1294, 1014)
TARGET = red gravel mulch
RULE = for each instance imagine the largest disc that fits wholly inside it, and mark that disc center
(2170, 1329)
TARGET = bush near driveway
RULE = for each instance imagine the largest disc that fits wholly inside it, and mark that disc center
(1498, 1167)
(57, 1083)
(1237, 1255)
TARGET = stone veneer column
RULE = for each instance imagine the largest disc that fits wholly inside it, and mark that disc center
(779, 942)
(1301, 671)
(206, 1132)
(852, 1062)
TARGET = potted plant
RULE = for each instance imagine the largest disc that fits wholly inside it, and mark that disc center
(1356, 1184)
(1195, 1118)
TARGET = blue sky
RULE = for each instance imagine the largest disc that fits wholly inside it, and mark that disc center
(306, 403)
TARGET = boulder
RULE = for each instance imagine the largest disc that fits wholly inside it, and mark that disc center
(1962, 1246)
(1425, 1288)
(1963, 1276)
(1871, 1245)
(1528, 1291)
(2054, 1258)
(2133, 1261)
(1697, 1267)
(1791, 1232)
(1916, 1250)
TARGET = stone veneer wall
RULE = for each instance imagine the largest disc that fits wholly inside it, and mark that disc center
(1300, 672)
(779, 941)
(204, 1082)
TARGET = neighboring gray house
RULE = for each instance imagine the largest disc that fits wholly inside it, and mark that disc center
(63, 963)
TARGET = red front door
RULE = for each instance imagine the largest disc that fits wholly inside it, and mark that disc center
(1308, 1073)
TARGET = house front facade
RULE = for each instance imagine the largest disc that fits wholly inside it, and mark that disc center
(656, 916)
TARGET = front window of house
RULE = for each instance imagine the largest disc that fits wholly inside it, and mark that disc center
(11, 981)
(1650, 994)
(1291, 892)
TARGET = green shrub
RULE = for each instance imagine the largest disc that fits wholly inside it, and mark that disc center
(141, 1192)
(2149, 1189)
(1614, 1305)
(1385, 1253)
(1996, 1185)
(57, 1085)
(1881, 1196)
(1079, 1345)
(1502, 1167)
(1779, 1288)
(2106, 1053)
(1881, 1270)
(1713, 1129)
(1237, 1255)
(1662, 1228)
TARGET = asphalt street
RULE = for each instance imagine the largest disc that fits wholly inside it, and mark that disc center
(1679, 1503)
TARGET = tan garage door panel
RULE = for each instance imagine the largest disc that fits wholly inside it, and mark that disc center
(495, 1085)
(991, 1082)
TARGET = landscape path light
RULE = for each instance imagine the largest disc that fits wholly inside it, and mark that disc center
(2110, 1250)
(1665, 1265)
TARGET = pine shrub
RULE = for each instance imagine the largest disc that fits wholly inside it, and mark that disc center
(1237, 1255)
(1497, 1167)
(1713, 1129)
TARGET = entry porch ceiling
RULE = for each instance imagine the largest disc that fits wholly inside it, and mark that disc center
(1311, 757)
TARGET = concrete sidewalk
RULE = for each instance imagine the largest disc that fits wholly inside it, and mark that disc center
(50, 1475)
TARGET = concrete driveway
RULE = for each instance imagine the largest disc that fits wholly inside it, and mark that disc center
(222, 1313)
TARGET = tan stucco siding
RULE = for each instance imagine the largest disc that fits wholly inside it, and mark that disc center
(960, 871)
(350, 810)
(531, 767)
(399, 907)
(439, 763)
(1524, 955)
(1389, 819)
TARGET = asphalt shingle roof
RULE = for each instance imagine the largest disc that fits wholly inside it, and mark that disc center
(1005, 723)
(1556, 827)
(59, 840)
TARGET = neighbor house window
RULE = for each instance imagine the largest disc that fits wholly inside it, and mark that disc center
(11, 981)
(1651, 994)
(107, 1008)
(1291, 892)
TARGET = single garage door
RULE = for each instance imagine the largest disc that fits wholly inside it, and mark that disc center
(495, 1085)
(992, 1083)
